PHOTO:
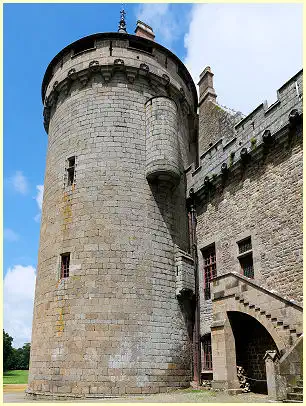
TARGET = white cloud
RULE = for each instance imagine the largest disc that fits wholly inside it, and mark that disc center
(10, 235)
(162, 18)
(18, 290)
(39, 200)
(37, 217)
(251, 48)
(39, 196)
(19, 182)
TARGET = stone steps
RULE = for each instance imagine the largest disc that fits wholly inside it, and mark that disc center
(295, 393)
(277, 322)
(298, 389)
(295, 396)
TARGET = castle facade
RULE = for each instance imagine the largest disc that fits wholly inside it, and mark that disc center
(171, 235)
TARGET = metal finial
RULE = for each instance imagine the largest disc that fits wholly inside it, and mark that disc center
(122, 25)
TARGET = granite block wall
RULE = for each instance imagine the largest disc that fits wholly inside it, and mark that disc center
(114, 326)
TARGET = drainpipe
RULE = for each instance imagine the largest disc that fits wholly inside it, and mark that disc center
(196, 330)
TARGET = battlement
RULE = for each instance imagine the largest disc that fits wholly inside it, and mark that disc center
(248, 132)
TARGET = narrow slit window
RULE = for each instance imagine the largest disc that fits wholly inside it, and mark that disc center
(65, 260)
(210, 268)
(71, 170)
(245, 257)
(207, 353)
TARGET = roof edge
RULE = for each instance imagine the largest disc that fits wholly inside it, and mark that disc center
(114, 35)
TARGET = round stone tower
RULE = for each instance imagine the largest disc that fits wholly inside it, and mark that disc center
(119, 112)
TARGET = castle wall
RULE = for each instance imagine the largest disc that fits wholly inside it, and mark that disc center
(247, 133)
(114, 326)
(215, 124)
(261, 199)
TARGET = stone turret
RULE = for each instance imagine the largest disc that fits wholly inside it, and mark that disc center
(117, 109)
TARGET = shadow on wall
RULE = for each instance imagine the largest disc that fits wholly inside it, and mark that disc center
(252, 341)
(252, 171)
(172, 208)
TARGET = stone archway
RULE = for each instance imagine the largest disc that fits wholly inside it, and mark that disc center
(278, 318)
(228, 335)
(252, 340)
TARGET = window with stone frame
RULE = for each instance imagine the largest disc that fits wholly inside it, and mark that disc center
(245, 257)
(207, 353)
(71, 171)
(210, 268)
(65, 262)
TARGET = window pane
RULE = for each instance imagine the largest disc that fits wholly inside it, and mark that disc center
(65, 260)
(247, 266)
(207, 353)
(210, 269)
(245, 245)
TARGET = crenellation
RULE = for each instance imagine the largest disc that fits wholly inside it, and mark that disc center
(249, 130)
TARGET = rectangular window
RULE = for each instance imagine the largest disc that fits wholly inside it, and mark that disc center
(245, 245)
(207, 353)
(210, 269)
(245, 257)
(65, 260)
(71, 170)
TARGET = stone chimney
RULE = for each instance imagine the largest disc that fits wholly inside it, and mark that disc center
(145, 31)
(206, 86)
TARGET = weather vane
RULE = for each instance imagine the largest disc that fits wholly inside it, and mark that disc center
(122, 25)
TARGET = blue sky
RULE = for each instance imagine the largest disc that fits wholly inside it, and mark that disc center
(252, 49)
(34, 34)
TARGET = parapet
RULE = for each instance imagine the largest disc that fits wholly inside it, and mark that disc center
(105, 54)
(249, 133)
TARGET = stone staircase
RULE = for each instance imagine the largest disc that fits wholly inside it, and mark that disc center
(295, 393)
(285, 326)
(282, 317)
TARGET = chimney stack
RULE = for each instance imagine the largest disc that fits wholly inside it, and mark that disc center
(145, 31)
(206, 86)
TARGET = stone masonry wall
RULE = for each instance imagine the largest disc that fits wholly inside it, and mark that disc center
(114, 326)
(262, 200)
(247, 133)
(214, 124)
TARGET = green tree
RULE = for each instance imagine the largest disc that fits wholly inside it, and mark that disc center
(15, 358)
(24, 357)
(7, 350)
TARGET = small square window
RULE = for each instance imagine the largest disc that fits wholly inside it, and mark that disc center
(245, 245)
(65, 260)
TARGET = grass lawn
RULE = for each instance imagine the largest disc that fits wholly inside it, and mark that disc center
(17, 376)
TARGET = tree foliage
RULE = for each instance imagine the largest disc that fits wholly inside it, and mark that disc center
(15, 358)
(7, 350)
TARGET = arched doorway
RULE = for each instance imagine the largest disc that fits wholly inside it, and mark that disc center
(252, 340)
